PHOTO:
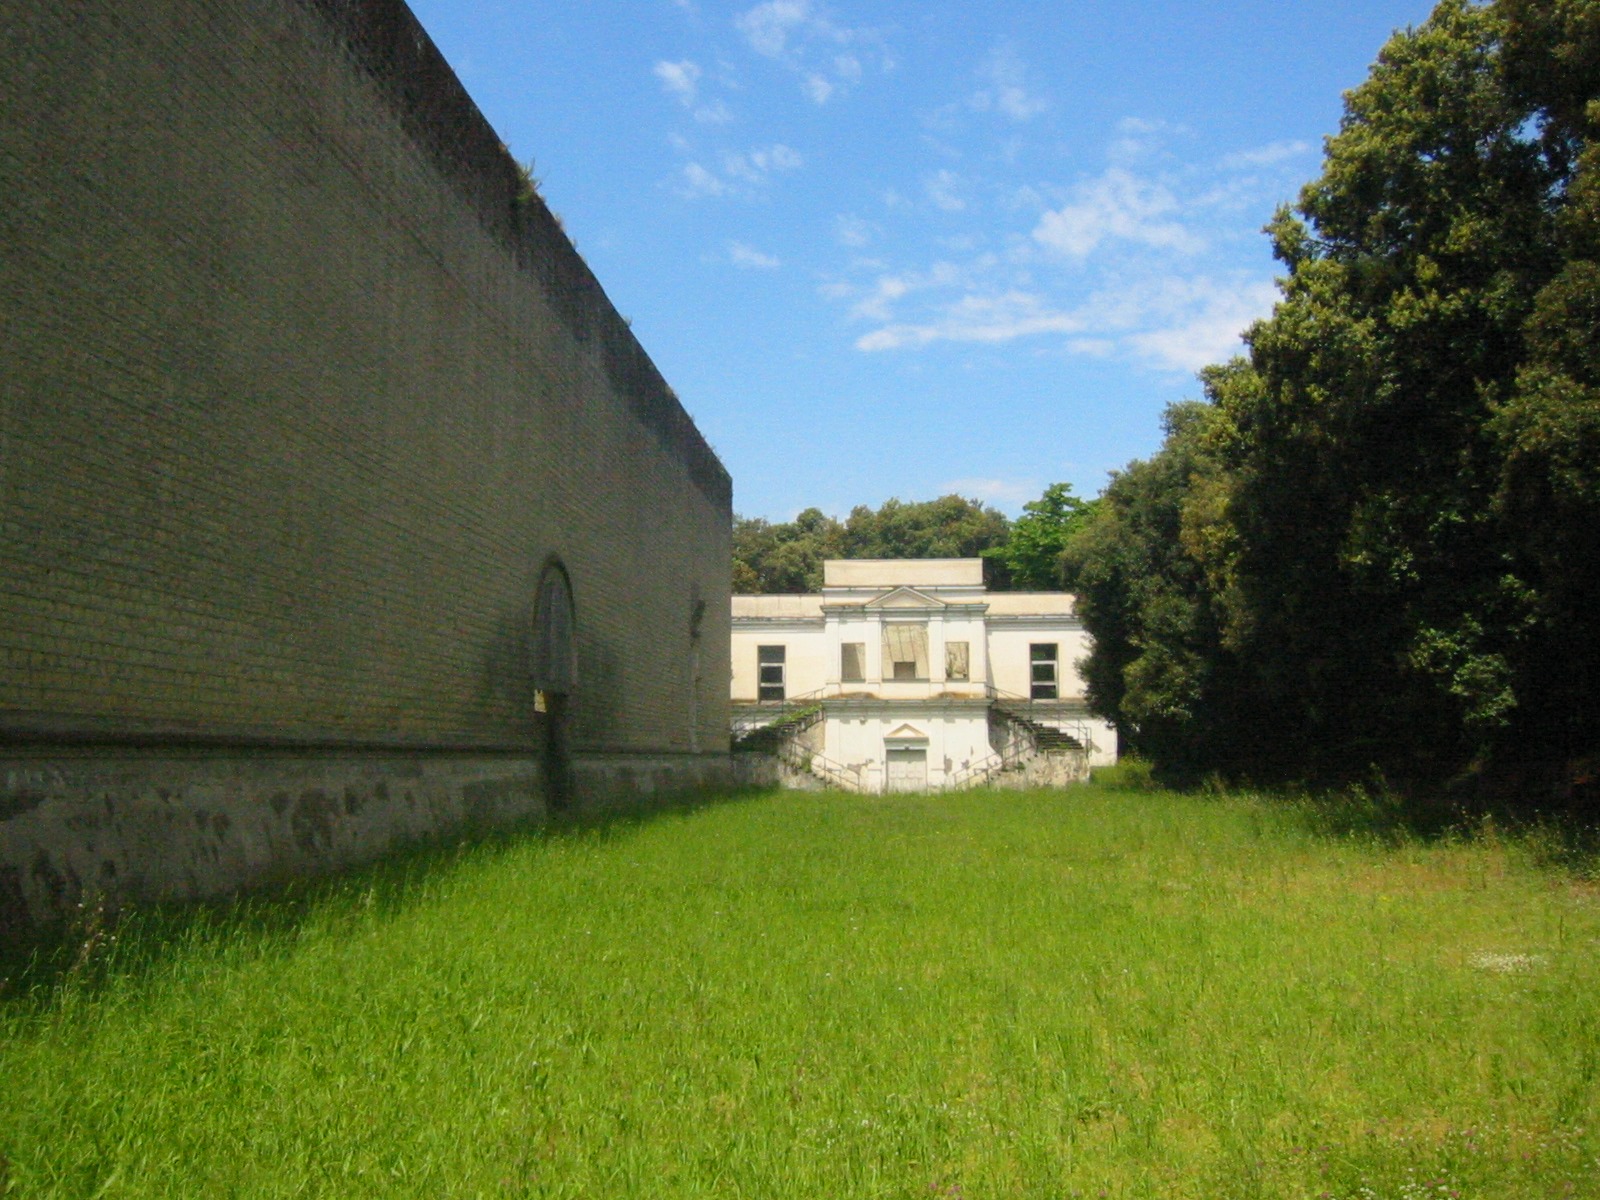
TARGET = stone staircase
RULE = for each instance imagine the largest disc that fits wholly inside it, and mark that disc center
(779, 736)
(784, 724)
(1047, 738)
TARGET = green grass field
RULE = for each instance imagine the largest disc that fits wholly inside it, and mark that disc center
(1094, 992)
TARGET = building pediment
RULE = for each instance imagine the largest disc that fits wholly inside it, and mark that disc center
(904, 597)
(906, 733)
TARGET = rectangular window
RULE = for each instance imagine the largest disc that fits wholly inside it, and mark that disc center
(853, 662)
(769, 672)
(957, 664)
(1042, 658)
(905, 651)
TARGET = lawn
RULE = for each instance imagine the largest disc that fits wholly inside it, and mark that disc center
(1091, 992)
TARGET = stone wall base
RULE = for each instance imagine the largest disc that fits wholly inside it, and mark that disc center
(1044, 771)
(1041, 771)
(163, 825)
(607, 782)
(763, 770)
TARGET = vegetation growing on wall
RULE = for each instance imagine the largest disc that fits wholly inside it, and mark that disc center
(1376, 544)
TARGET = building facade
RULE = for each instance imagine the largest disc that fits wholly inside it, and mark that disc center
(909, 675)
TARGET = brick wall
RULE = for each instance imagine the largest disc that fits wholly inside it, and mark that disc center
(298, 400)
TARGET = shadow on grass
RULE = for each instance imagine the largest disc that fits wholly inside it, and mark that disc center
(100, 945)
(1564, 839)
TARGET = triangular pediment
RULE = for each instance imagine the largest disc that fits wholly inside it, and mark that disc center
(905, 597)
(906, 733)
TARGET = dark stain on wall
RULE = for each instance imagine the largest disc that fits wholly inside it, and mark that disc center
(311, 822)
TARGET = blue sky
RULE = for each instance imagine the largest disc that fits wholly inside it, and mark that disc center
(904, 249)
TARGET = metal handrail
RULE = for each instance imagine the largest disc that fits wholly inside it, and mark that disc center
(1018, 750)
(749, 716)
(801, 758)
(789, 749)
(1078, 729)
(772, 712)
(979, 772)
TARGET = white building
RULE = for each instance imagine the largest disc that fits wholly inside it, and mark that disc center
(908, 674)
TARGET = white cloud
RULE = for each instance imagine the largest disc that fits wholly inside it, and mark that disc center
(1199, 322)
(681, 79)
(742, 174)
(973, 318)
(888, 289)
(1264, 156)
(1121, 266)
(1119, 206)
(942, 188)
(748, 258)
(798, 34)
(767, 26)
(700, 182)
(755, 166)
(1006, 88)
(1138, 139)
(714, 113)
(1135, 125)
(852, 231)
(877, 304)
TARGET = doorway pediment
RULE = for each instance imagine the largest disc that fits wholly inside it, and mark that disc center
(906, 733)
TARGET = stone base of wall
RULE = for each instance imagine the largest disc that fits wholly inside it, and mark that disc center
(165, 825)
(1041, 771)
(605, 782)
(757, 769)
(1044, 771)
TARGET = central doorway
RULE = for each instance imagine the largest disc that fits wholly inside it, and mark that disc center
(907, 770)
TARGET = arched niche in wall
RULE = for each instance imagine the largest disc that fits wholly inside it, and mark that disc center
(555, 676)
(697, 616)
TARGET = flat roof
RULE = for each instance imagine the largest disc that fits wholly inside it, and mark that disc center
(902, 572)
(1026, 604)
(778, 608)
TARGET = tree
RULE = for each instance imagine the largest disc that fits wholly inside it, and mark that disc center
(949, 527)
(1382, 540)
(1382, 608)
(773, 559)
(1030, 558)
(1142, 564)
(787, 557)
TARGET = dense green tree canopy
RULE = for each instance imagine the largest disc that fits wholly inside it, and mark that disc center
(1380, 537)
(787, 556)
(1030, 558)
